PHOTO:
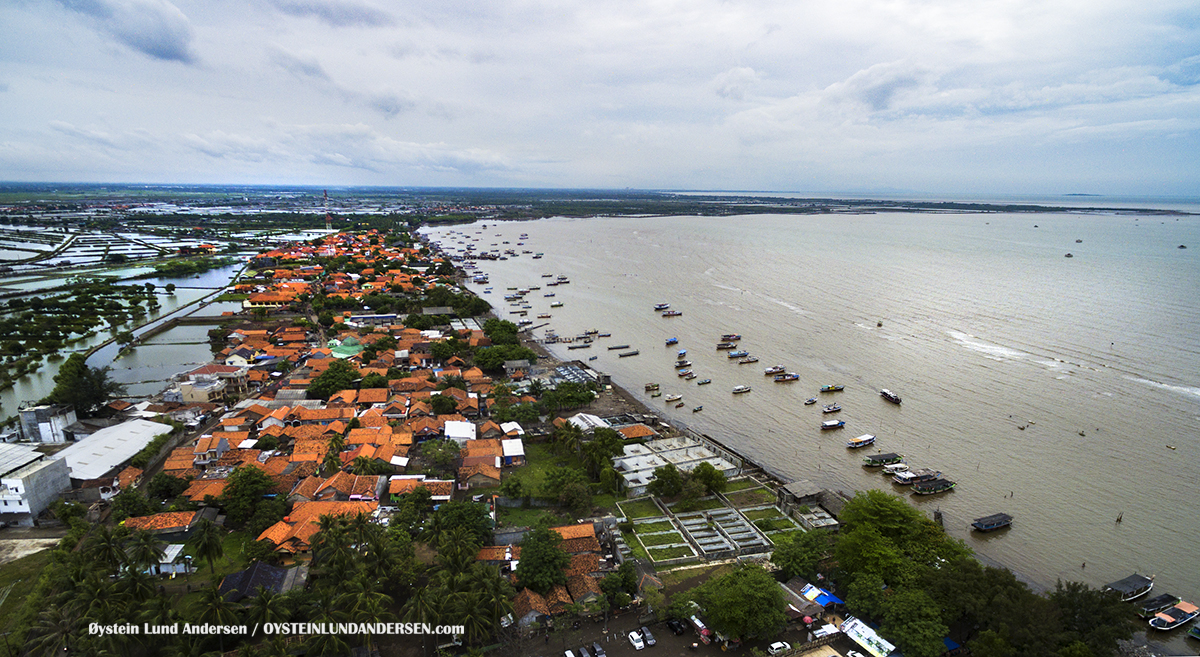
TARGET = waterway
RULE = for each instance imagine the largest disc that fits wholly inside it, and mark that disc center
(1064, 391)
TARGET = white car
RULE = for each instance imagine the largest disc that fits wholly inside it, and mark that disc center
(778, 647)
(853, 653)
(636, 639)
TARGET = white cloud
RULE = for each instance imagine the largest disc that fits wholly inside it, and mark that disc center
(153, 27)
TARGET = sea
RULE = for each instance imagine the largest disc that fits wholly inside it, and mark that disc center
(1064, 391)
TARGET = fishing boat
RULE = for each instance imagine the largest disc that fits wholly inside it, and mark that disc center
(786, 377)
(673, 398)
(895, 468)
(548, 294)
(683, 372)
(697, 409)
(1169, 619)
(877, 460)
(738, 354)
(690, 376)
(1158, 603)
(810, 401)
(682, 363)
(671, 341)
(910, 477)
(992, 523)
(861, 441)
(681, 353)
(618, 346)
(672, 313)
(626, 354)
(726, 345)
(592, 357)
(703, 382)
(556, 304)
(650, 387)
(544, 316)
(1132, 587)
(584, 345)
(741, 390)
(774, 369)
(604, 334)
(831, 408)
(833, 388)
(832, 424)
(890, 396)
(747, 360)
(731, 337)
(661, 306)
(933, 487)
(679, 405)
(656, 394)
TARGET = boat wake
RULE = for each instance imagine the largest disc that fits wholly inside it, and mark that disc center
(1184, 390)
(992, 351)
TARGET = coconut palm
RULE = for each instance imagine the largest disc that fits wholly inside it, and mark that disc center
(267, 607)
(331, 463)
(106, 546)
(143, 551)
(214, 608)
(207, 543)
(54, 633)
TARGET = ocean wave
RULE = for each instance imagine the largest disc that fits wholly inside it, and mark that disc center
(1191, 391)
(993, 351)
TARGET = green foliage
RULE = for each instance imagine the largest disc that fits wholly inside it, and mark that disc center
(163, 486)
(491, 359)
(744, 603)
(442, 453)
(86, 388)
(668, 481)
(799, 555)
(443, 404)
(912, 617)
(65, 511)
(131, 504)
(1090, 617)
(338, 377)
(471, 517)
(148, 452)
(243, 494)
(374, 380)
(711, 478)
(542, 561)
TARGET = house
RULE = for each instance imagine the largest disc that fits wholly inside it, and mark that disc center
(29, 483)
(577, 539)
(513, 452)
(209, 448)
(173, 524)
(47, 423)
(481, 475)
(459, 432)
(105, 452)
(440, 490)
(273, 579)
(293, 534)
(530, 609)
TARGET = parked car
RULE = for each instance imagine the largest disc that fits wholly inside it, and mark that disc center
(677, 627)
(778, 647)
(598, 650)
(636, 639)
(583, 652)
(647, 637)
(568, 653)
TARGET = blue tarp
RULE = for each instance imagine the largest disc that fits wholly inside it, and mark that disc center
(826, 598)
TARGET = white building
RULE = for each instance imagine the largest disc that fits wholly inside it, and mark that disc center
(47, 423)
(29, 483)
(101, 454)
(459, 431)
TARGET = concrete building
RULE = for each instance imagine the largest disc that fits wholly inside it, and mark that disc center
(47, 423)
(636, 466)
(107, 451)
(29, 483)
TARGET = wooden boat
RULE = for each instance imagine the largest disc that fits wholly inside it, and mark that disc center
(741, 390)
(726, 345)
(626, 354)
(682, 363)
(1169, 619)
(690, 376)
(672, 313)
(877, 460)
(731, 337)
(934, 487)
(585, 345)
(738, 354)
(832, 388)
(1195, 631)
(661, 306)
(861, 441)
(656, 394)
(671, 341)
(592, 357)
(697, 409)
(910, 477)
(703, 382)
(1132, 587)
(786, 377)
(810, 401)
(1150, 608)
(774, 369)
(831, 408)
(544, 316)
(683, 372)
(651, 387)
(895, 468)
(747, 360)
(556, 304)
(618, 346)
(832, 424)
(890, 396)
(992, 523)
(679, 405)
(674, 398)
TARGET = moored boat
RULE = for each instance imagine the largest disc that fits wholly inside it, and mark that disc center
(556, 304)
(910, 477)
(672, 313)
(774, 369)
(1195, 631)
(832, 424)
(831, 408)
(690, 376)
(810, 401)
(738, 354)
(890, 396)
(877, 460)
(671, 341)
(786, 377)
(682, 363)
(740, 390)
(592, 357)
(895, 468)
(726, 345)
(697, 409)
(861, 441)
(681, 353)
(832, 388)
(993, 522)
(703, 382)
(747, 360)
(626, 354)
(656, 393)
(731, 337)
(679, 405)
(1132, 587)
(673, 398)
(684, 372)
(661, 306)
(1158, 603)
(617, 346)
(584, 345)
(1173, 617)
(651, 386)
(933, 487)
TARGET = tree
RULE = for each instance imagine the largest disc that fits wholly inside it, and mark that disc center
(712, 478)
(441, 453)
(542, 561)
(163, 486)
(667, 482)
(746, 602)
(469, 515)
(799, 556)
(339, 376)
(443, 404)
(131, 504)
(1092, 617)
(86, 388)
(243, 492)
(913, 618)
(374, 380)
(207, 543)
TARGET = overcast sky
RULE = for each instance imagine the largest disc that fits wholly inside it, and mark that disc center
(934, 96)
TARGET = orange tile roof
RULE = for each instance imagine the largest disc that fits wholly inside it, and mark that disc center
(489, 471)
(162, 521)
(637, 431)
(200, 488)
(579, 530)
(128, 477)
(498, 552)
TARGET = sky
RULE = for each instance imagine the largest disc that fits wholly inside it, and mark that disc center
(927, 96)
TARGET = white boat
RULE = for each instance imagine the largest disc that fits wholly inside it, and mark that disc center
(833, 424)
(861, 441)
(895, 468)
(672, 398)
(738, 390)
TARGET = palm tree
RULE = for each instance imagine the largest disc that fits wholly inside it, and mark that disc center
(107, 547)
(143, 551)
(267, 607)
(214, 608)
(371, 610)
(54, 632)
(207, 543)
(331, 463)
(139, 585)
(326, 609)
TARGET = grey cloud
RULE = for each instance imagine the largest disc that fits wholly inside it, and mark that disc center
(337, 14)
(93, 136)
(734, 82)
(391, 104)
(878, 85)
(153, 27)
(302, 66)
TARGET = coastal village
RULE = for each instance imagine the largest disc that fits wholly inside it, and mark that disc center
(369, 444)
